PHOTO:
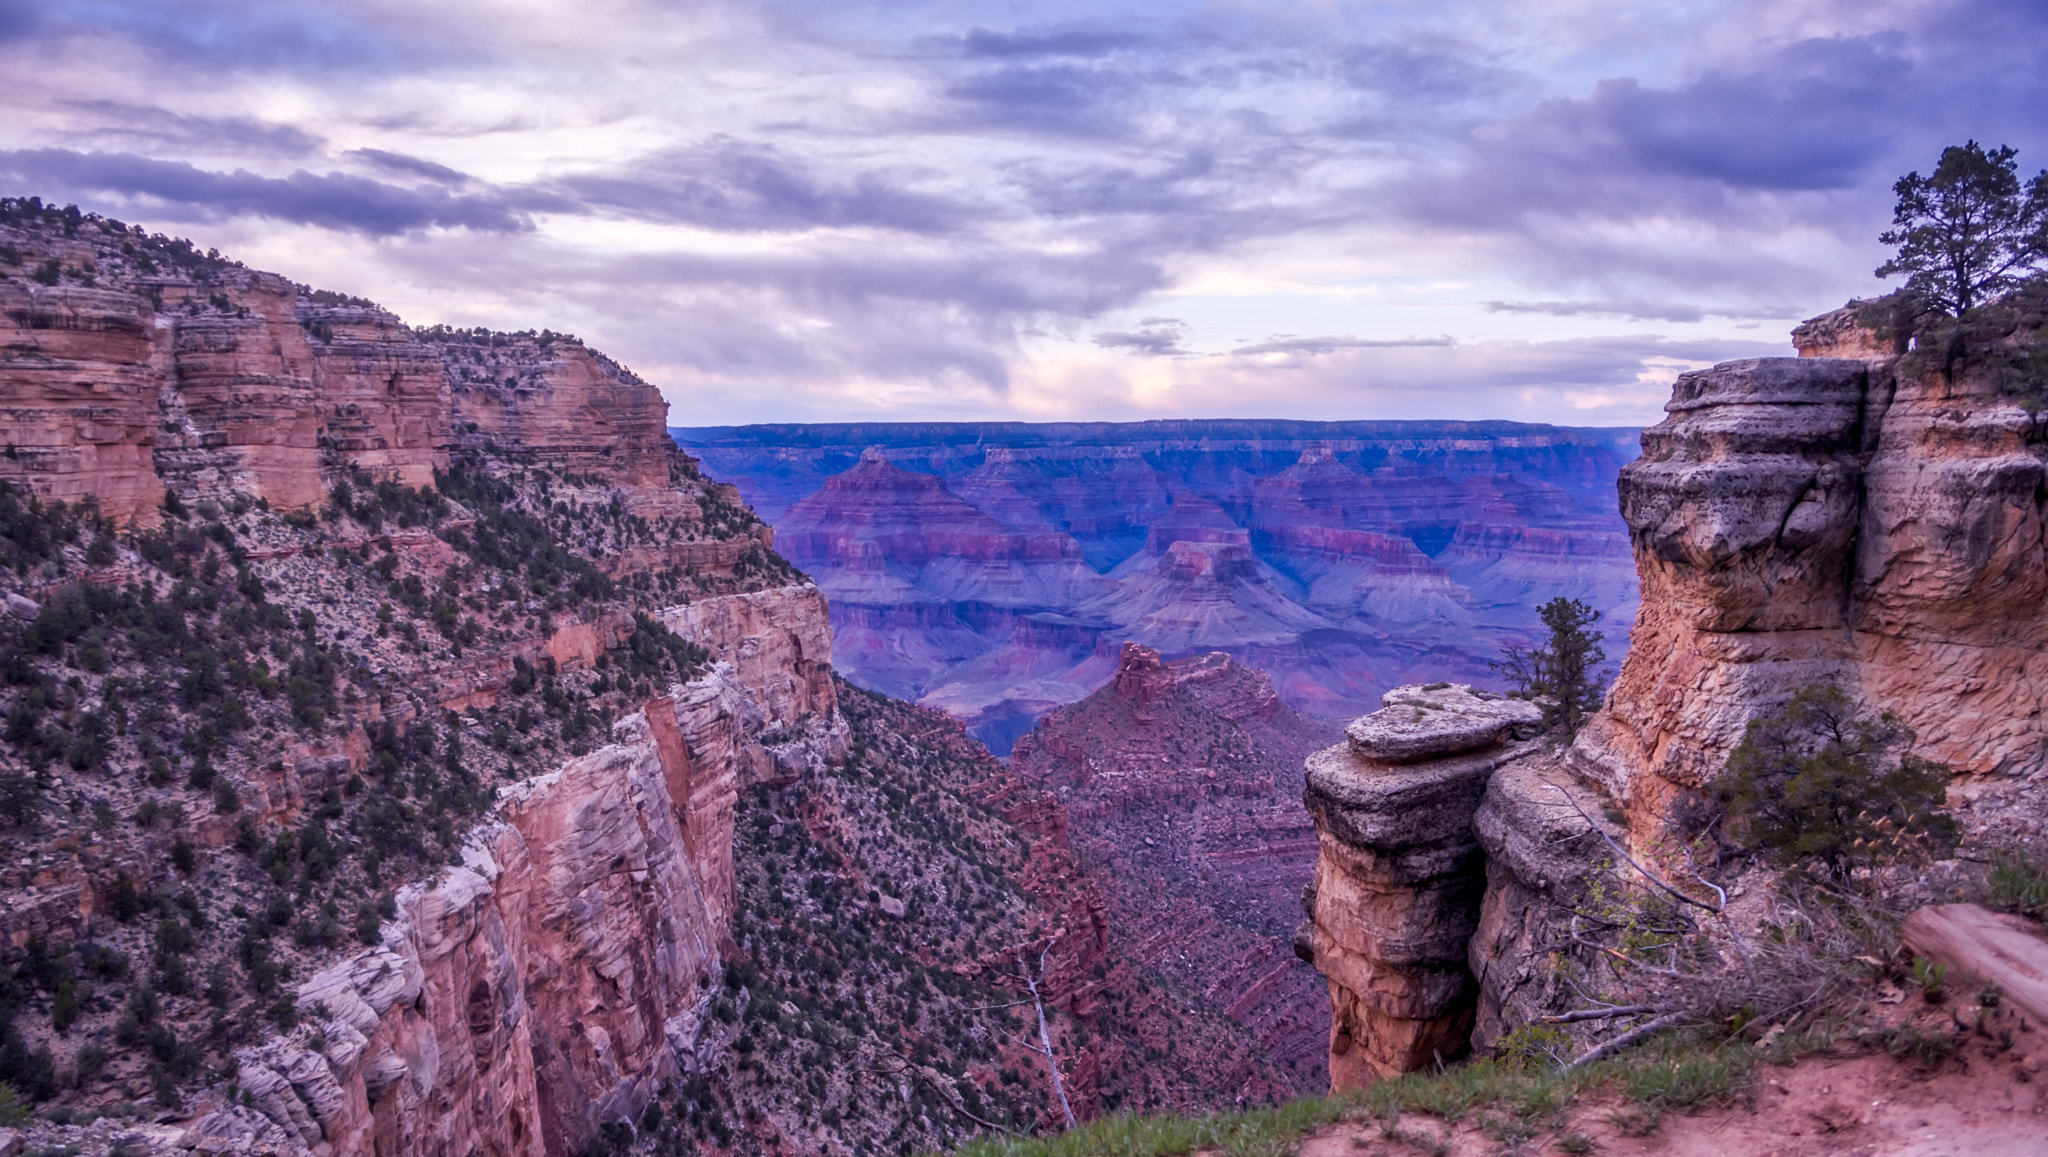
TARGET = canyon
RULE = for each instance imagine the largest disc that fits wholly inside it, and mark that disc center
(1181, 784)
(1868, 515)
(993, 570)
(411, 750)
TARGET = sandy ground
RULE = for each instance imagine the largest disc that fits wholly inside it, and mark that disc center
(1989, 1099)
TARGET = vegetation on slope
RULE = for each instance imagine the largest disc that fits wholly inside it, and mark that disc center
(155, 685)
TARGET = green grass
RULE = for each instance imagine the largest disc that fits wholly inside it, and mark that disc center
(1510, 1102)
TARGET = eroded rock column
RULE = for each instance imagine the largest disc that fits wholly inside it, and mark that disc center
(1401, 875)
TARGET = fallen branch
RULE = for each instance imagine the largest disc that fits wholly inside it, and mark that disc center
(1640, 1032)
(1597, 1014)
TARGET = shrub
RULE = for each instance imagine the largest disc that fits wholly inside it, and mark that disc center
(1821, 781)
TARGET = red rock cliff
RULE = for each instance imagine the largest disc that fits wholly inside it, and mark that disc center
(1875, 521)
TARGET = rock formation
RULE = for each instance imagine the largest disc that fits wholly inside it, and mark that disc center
(991, 570)
(1875, 521)
(465, 553)
(1400, 875)
(1869, 515)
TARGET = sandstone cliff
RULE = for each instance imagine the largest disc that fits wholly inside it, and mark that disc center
(1876, 521)
(306, 607)
(1871, 515)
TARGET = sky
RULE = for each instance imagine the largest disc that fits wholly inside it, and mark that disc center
(787, 210)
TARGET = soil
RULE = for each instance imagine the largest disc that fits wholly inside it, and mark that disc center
(1974, 1104)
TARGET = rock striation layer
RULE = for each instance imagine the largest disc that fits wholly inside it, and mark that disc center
(1873, 515)
(1400, 875)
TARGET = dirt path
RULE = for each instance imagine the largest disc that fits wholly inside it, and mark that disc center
(1973, 1105)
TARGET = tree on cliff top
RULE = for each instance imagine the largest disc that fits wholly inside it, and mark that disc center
(1969, 233)
(1821, 780)
(1561, 673)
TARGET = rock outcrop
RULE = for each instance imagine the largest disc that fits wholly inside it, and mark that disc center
(550, 982)
(1872, 515)
(1874, 521)
(1401, 875)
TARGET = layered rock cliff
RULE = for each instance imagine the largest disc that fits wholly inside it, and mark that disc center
(327, 634)
(1869, 515)
(1400, 873)
(1875, 521)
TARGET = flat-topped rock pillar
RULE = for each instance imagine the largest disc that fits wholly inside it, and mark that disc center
(1401, 874)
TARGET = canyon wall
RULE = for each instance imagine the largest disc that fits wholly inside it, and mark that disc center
(220, 380)
(558, 977)
(1178, 784)
(559, 666)
(992, 570)
(1873, 521)
(1872, 514)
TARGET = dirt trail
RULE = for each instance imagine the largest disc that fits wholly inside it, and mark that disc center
(1973, 1105)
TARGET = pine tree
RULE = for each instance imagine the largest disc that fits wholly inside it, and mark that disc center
(1561, 674)
(1969, 233)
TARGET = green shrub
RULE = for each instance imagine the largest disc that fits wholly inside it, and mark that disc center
(1821, 781)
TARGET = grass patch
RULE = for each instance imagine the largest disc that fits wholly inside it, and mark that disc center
(1512, 1102)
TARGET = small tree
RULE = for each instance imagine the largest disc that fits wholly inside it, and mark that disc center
(1820, 780)
(1969, 233)
(1561, 673)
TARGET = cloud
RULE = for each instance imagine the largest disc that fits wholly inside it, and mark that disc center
(934, 208)
(1158, 337)
(1083, 42)
(1642, 310)
(160, 130)
(727, 184)
(334, 201)
(1288, 344)
(237, 36)
(19, 19)
(410, 166)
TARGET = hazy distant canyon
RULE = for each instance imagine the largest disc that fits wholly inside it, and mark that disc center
(992, 570)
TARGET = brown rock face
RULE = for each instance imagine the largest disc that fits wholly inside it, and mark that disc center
(1401, 874)
(220, 379)
(558, 977)
(551, 401)
(1877, 522)
(79, 411)
(533, 992)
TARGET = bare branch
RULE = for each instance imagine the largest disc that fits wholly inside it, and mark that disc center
(1597, 1014)
(1674, 893)
(1640, 1032)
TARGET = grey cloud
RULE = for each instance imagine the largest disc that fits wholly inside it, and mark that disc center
(161, 128)
(1153, 341)
(410, 166)
(1085, 42)
(733, 185)
(19, 19)
(261, 35)
(1286, 344)
(335, 201)
(1641, 310)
